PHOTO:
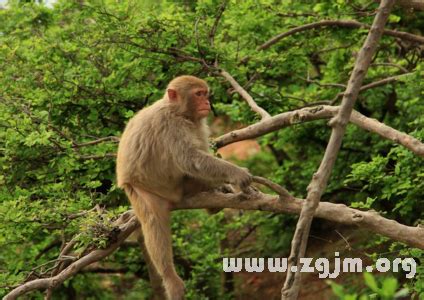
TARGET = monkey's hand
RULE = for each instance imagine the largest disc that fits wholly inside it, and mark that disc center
(242, 178)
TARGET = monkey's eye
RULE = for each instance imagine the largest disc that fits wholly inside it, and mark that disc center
(201, 93)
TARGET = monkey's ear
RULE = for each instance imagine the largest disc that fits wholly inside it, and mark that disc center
(172, 95)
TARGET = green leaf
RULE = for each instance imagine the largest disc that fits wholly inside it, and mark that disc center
(371, 282)
(389, 287)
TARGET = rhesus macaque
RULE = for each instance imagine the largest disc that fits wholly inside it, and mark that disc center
(163, 157)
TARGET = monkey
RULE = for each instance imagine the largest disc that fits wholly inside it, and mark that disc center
(163, 156)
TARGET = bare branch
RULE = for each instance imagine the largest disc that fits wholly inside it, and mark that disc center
(320, 178)
(245, 95)
(382, 82)
(340, 213)
(316, 113)
(388, 132)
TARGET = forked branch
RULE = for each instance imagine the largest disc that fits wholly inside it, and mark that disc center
(308, 114)
(319, 180)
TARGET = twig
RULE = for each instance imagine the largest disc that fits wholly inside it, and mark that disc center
(348, 246)
(245, 95)
(106, 155)
(320, 178)
(219, 14)
(98, 141)
(414, 4)
(337, 85)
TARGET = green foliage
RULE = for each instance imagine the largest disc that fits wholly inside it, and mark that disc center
(384, 288)
(393, 183)
(75, 73)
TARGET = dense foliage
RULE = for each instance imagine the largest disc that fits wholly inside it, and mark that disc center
(76, 72)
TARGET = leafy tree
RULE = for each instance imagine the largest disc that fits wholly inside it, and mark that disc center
(72, 75)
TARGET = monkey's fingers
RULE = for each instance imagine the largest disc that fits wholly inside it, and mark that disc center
(246, 183)
(249, 190)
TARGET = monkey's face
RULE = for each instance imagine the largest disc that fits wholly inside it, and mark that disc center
(199, 97)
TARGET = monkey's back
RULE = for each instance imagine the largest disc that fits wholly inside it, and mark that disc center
(145, 157)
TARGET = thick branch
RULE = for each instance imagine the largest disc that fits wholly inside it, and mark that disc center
(370, 220)
(319, 180)
(315, 113)
(412, 236)
(275, 123)
(245, 95)
(388, 132)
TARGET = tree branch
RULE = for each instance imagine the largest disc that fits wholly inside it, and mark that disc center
(308, 114)
(245, 95)
(388, 132)
(340, 213)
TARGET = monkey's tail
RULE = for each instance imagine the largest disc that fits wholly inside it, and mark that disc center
(154, 215)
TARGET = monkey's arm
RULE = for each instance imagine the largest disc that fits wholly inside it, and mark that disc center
(202, 165)
(199, 164)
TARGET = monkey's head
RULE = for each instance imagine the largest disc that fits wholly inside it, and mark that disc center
(190, 97)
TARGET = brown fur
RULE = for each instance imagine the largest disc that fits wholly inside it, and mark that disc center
(162, 157)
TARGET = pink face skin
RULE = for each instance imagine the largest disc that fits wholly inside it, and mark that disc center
(200, 98)
(199, 101)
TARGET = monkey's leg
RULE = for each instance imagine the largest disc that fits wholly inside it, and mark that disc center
(154, 215)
